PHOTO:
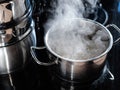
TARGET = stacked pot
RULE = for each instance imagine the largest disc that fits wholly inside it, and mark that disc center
(17, 34)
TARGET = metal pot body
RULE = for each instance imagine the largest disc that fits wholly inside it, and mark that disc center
(86, 70)
(15, 56)
(83, 71)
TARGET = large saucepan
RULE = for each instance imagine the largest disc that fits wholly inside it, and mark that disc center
(83, 70)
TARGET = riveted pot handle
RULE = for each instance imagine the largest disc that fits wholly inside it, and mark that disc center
(36, 59)
(116, 28)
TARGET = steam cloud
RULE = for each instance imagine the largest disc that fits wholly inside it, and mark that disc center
(76, 41)
(63, 9)
(75, 38)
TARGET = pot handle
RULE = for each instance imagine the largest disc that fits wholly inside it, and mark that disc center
(115, 27)
(106, 71)
(36, 59)
(111, 75)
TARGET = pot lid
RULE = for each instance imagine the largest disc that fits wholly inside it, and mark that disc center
(12, 12)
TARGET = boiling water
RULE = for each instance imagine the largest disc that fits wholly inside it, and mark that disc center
(78, 39)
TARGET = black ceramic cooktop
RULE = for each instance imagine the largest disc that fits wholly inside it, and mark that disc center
(35, 77)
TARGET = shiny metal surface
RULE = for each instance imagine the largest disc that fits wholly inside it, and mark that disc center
(17, 34)
(83, 71)
(13, 10)
(15, 19)
(15, 56)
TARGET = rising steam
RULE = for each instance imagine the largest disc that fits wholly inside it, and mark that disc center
(63, 9)
(78, 41)
(75, 38)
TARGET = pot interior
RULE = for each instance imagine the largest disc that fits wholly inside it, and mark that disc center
(78, 39)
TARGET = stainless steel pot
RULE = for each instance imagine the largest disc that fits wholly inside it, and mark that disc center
(14, 55)
(83, 71)
(17, 34)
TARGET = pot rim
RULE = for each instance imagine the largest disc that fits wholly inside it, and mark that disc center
(81, 60)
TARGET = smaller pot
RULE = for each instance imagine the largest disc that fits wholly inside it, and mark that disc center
(84, 71)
